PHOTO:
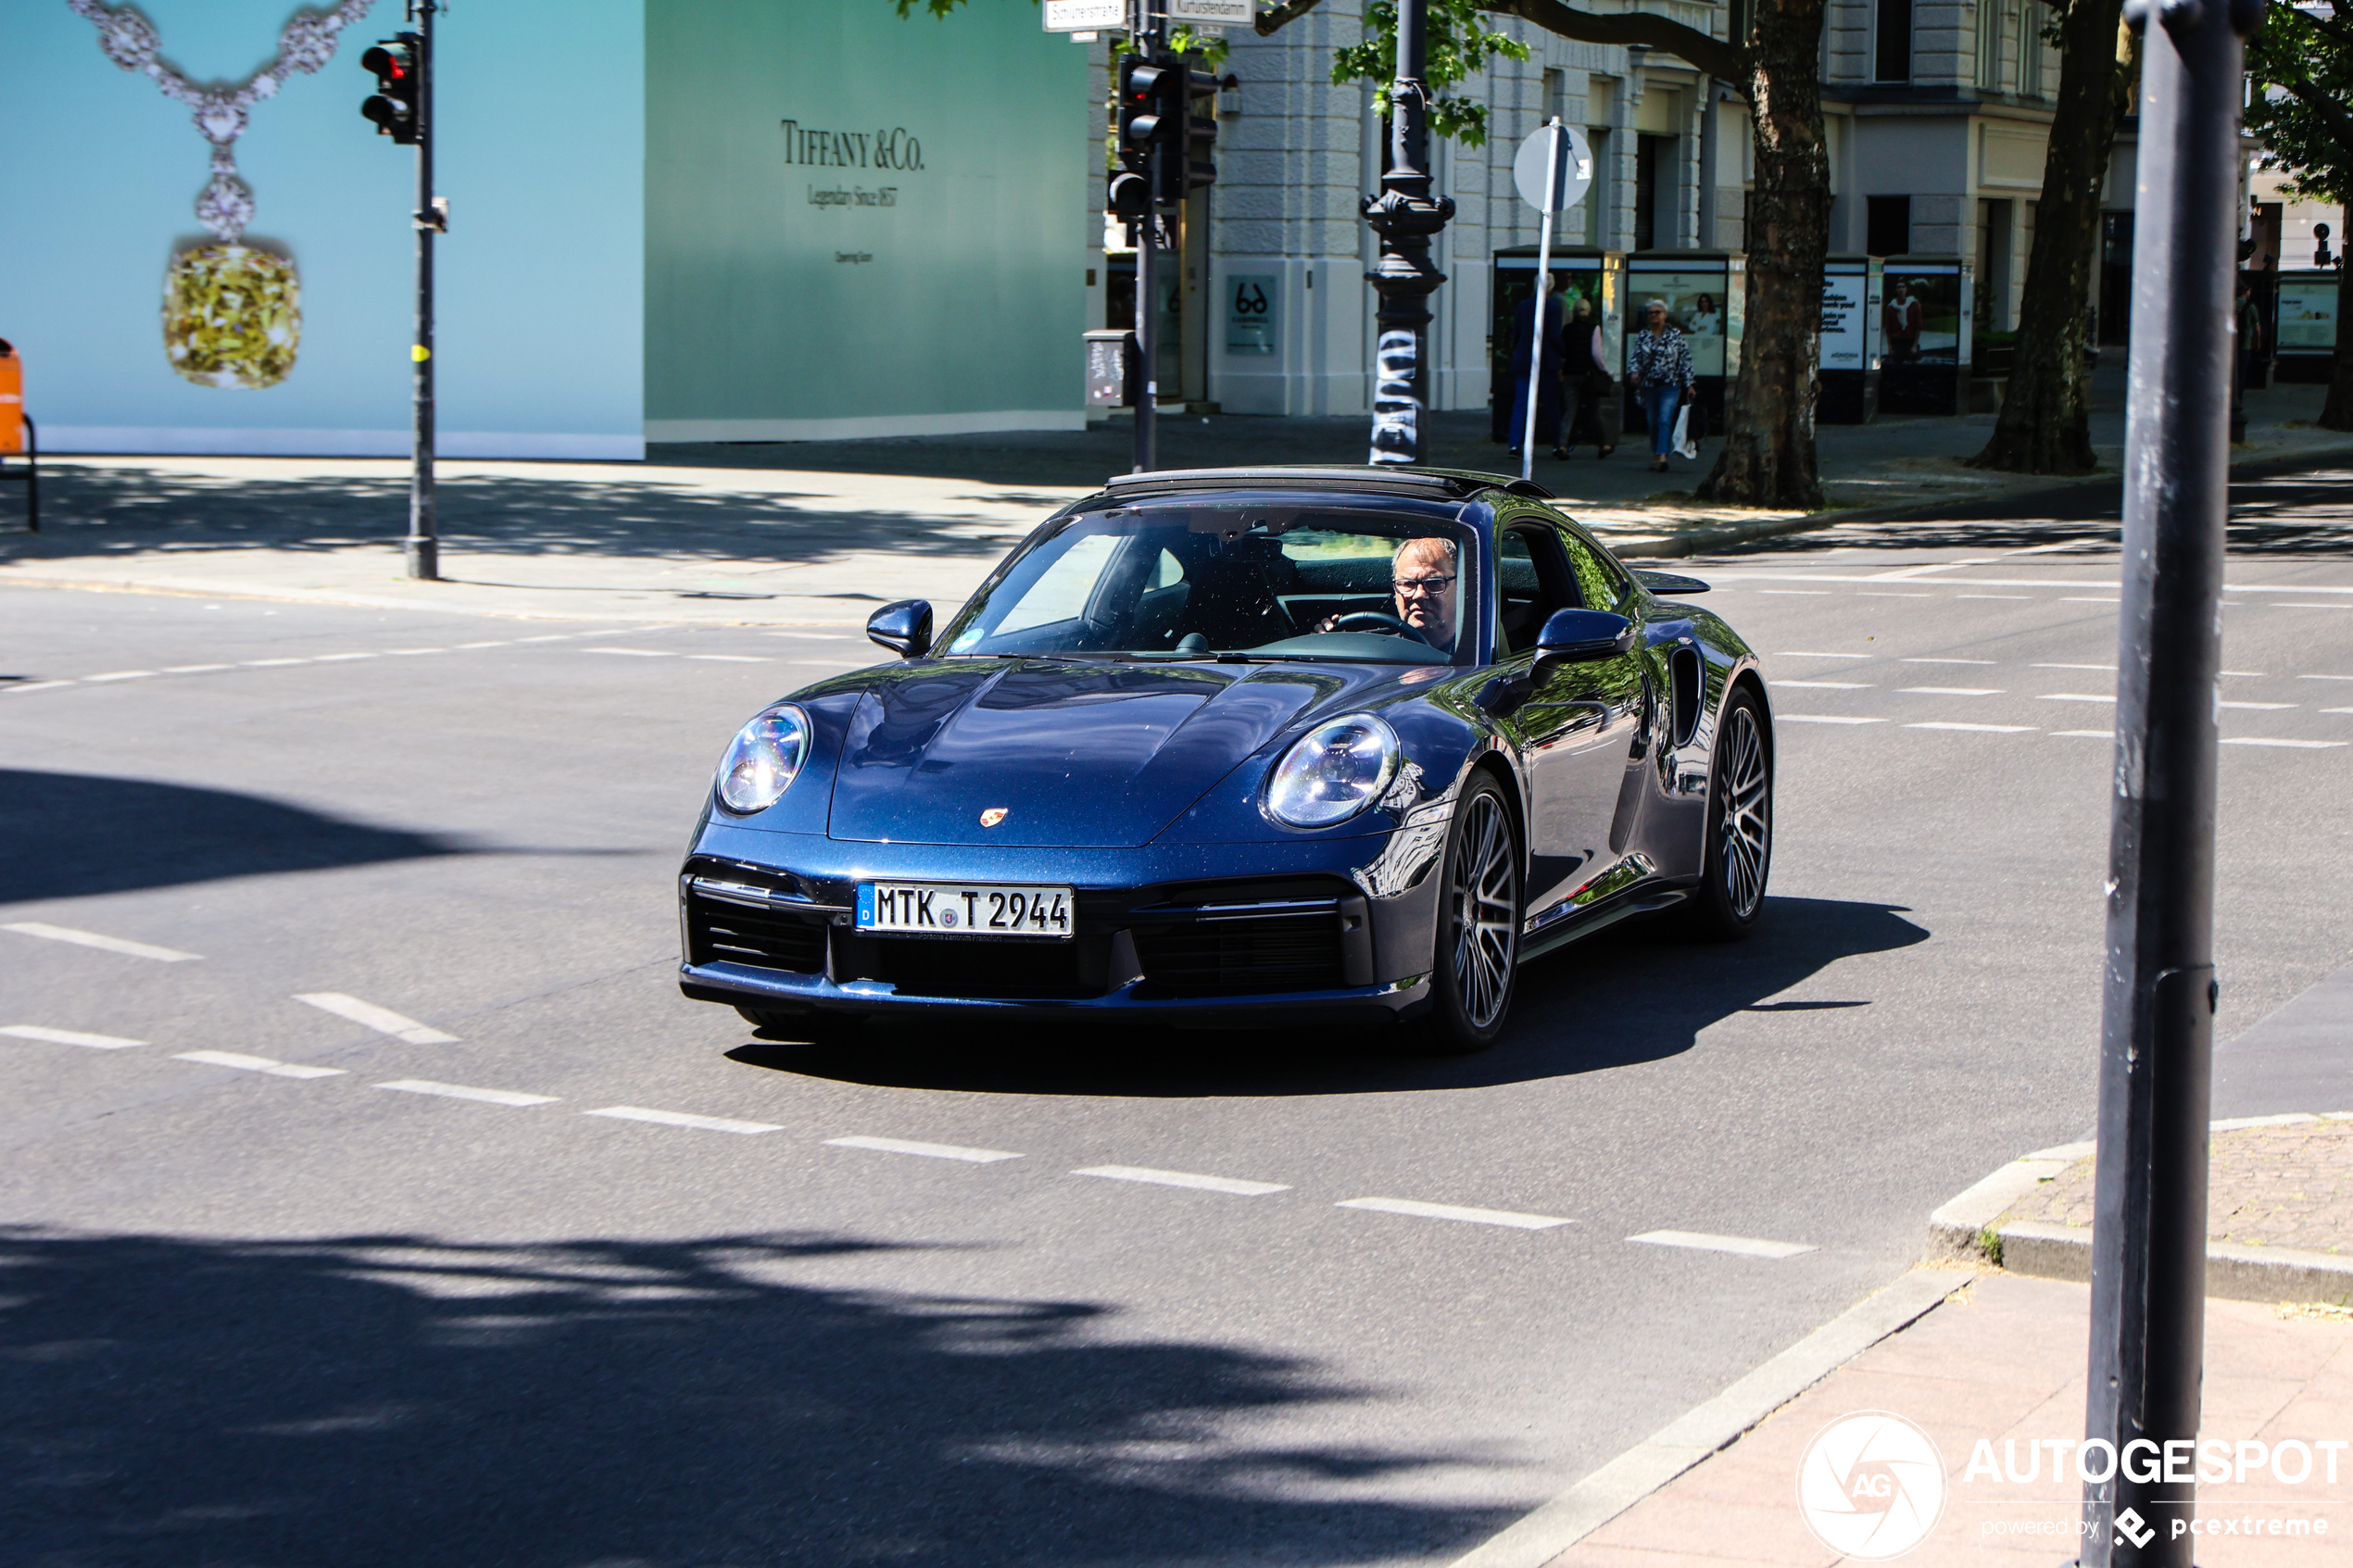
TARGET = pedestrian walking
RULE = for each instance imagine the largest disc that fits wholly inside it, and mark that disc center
(1548, 369)
(1658, 367)
(1584, 368)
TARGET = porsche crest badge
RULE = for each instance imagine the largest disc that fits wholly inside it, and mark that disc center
(991, 817)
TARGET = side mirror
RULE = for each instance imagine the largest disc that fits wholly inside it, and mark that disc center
(1666, 583)
(1579, 635)
(905, 628)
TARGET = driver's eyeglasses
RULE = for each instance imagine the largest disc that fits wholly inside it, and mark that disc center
(1421, 584)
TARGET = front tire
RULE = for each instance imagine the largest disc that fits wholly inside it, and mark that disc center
(1731, 896)
(1477, 950)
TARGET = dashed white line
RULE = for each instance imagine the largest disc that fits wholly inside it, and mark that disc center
(635, 653)
(2262, 707)
(1822, 718)
(682, 1118)
(2073, 697)
(2294, 744)
(500, 644)
(257, 1064)
(69, 1037)
(928, 1150)
(1945, 661)
(1183, 1179)
(1953, 691)
(341, 658)
(2312, 607)
(2243, 674)
(118, 675)
(106, 944)
(2337, 710)
(2087, 734)
(194, 669)
(38, 687)
(2104, 669)
(550, 637)
(269, 664)
(1826, 685)
(2325, 677)
(1450, 1211)
(2068, 600)
(406, 653)
(1745, 1245)
(1987, 729)
(459, 1091)
(382, 1020)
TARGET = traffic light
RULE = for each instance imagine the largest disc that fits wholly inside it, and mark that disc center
(397, 107)
(1143, 109)
(1187, 167)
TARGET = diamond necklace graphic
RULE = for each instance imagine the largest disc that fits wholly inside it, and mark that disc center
(232, 313)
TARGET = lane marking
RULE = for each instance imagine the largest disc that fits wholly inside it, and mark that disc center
(500, 644)
(2104, 668)
(2022, 599)
(1955, 691)
(1947, 661)
(119, 675)
(38, 687)
(383, 1021)
(1821, 656)
(404, 653)
(2277, 605)
(269, 664)
(91, 939)
(1986, 729)
(1183, 1179)
(1826, 685)
(2244, 674)
(550, 637)
(340, 658)
(1868, 594)
(194, 669)
(730, 657)
(257, 1064)
(2068, 600)
(1450, 1211)
(681, 1119)
(2325, 677)
(2337, 710)
(459, 1091)
(2088, 734)
(1822, 718)
(2296, 745)
(70, 1038)
(1746, 1245)
(2265, 707)
(635, 653)
(928, 1150)
(2073, 697)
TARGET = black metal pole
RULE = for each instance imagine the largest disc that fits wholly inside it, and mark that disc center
(1147, 38)
(423, 548)
(2148, 1241)
(1407, 217)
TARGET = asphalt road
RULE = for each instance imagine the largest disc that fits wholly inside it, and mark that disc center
(341, 1314)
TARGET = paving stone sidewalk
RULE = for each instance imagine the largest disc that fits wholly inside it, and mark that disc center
(2002, 1361)
(2283, 1181)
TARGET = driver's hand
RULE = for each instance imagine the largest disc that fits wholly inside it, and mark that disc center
(1329, 623)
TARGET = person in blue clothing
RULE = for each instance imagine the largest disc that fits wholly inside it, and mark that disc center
(1548, 375)
(1659, 368)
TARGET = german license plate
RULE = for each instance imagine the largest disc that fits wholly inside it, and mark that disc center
(935, 909)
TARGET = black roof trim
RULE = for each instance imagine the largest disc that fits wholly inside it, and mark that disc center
(1454, 483)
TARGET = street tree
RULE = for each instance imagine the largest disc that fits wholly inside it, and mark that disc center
(2045, 425)
(2302, 111)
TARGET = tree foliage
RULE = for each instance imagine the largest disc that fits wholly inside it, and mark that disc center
(2301, 62)
(1458, 44)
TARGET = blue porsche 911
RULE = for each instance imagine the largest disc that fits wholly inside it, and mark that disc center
(1241, 746)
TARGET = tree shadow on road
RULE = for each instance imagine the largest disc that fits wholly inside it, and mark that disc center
(1618, 998)
(396, 1400)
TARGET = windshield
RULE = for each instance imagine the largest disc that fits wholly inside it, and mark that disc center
(1279, 578)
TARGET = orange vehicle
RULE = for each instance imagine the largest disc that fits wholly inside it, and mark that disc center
(18, 436)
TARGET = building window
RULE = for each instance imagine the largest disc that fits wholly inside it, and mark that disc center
(1887, 224)
(1654, 192)
(1989, 44)
(2030, 19)
(1893, 44)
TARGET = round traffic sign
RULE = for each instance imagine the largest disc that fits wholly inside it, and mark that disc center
(1562, 146)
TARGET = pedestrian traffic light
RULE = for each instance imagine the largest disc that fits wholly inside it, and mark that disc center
(399, 67)
(1186, 168)
(1144, 117)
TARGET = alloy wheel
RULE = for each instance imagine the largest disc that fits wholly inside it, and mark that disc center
(1745, 829)
(1486, 908)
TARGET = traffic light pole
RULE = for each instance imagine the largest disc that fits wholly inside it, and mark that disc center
(1147, 37)
(2157, 1031)
(423, 546)
(1407, 217)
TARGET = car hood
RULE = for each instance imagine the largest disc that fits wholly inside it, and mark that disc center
(1073, 753)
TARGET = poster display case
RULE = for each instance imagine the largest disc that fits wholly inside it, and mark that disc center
(2304, 348)
(1924, 346)
(1705, 292)
(1851, 303)
(1583, 276)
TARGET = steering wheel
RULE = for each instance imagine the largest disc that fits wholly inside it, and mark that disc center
(1375, 620)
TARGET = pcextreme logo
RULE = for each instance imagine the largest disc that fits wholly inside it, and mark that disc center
(1870, 1485)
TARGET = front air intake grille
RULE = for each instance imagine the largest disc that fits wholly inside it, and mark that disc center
(1243, 957)
(992, 970)
(726, 932)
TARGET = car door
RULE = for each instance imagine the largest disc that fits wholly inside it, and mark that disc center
(1583, 736)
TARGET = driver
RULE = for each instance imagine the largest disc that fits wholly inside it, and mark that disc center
(1422, 576)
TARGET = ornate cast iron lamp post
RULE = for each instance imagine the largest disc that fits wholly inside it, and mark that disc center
(1407, 217)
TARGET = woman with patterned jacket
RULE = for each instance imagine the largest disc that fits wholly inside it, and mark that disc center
(1658, 367)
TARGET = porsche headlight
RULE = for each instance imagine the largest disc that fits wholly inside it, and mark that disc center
(763, 758)
(1332, 773)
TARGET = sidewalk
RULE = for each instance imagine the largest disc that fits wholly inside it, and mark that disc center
(2001, 1363)
(812, 533)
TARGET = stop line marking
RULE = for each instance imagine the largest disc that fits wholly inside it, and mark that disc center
(104, 944)
(459, 1091)
(383, 1021)
(928, 1150)
(257, 1064)
(681, 1119)
(1700, 1241)
(70, 1038)
(1451, 1211)
(1183, 1179)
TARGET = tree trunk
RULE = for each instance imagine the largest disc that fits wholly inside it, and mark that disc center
(2045, 425)
(1768, 441)
(2337, 412)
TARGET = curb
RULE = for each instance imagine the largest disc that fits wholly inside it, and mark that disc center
(1964, 1231)
(1601, 1496)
